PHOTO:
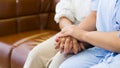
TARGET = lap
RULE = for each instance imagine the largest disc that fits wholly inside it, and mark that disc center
(45, 47)
(114, 63)
(84, 59)
(57, 60)
(41, 54)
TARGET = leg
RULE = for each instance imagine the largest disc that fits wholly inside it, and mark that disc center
(40, 55)
(115, 63)
(58, 59)
(84, 59)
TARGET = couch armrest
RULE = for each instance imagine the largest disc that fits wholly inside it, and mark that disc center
(5, 55)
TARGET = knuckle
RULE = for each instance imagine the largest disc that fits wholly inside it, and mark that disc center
(67, 40)
(74, 41)
(62, 39)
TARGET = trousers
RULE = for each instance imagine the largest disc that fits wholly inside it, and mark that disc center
(45, 56)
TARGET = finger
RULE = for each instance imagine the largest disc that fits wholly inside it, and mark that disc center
(75, 47)
(82, 46)
(57, 39)
(66, 46)
(62, 50)
(64, 34)
(62, 44)
(71, 47)
(80, 49)
(57, 45)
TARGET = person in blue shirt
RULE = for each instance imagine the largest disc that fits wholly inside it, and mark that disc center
(101, 29)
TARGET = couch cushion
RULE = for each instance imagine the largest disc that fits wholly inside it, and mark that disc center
(23, 47)
(11, 39)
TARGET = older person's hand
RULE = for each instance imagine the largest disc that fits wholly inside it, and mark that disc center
(69, 45)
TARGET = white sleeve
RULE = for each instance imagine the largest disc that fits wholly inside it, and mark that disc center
(64, 8)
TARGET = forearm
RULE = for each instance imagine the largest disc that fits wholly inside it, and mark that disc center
(63, 22)
(107, 40)
(89, 23)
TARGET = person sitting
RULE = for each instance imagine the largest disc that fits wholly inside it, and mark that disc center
(101, 28)
(68, 12)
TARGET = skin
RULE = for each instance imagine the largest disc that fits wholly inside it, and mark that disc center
(67, 44)
(86, 31)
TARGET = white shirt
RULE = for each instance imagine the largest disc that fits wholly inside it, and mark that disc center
(74, 10)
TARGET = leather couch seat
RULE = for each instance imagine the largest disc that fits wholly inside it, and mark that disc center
(14, 54)
(23, 25)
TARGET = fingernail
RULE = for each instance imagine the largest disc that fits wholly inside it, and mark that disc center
(57, 40)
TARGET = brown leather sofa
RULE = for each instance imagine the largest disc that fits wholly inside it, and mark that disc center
(24, 24)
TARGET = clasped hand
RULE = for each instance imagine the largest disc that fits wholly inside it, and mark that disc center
(67, 40)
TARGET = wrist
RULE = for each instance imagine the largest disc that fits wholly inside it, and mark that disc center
(85, 36)
(64, 21)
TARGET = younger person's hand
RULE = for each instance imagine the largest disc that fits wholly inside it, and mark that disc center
(73, 31)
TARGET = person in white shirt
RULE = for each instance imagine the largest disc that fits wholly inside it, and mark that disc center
(68, 12)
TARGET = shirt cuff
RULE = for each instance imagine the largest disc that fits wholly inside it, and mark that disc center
(66, 14)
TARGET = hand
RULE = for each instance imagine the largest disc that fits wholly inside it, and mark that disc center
(73, 31)
(64, 44)
(68, 45)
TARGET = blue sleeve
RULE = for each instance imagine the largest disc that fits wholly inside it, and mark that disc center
(94, 5)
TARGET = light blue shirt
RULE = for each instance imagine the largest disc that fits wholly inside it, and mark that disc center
(108, 15)
(108, 18)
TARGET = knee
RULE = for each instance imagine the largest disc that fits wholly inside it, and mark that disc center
(73, 65)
